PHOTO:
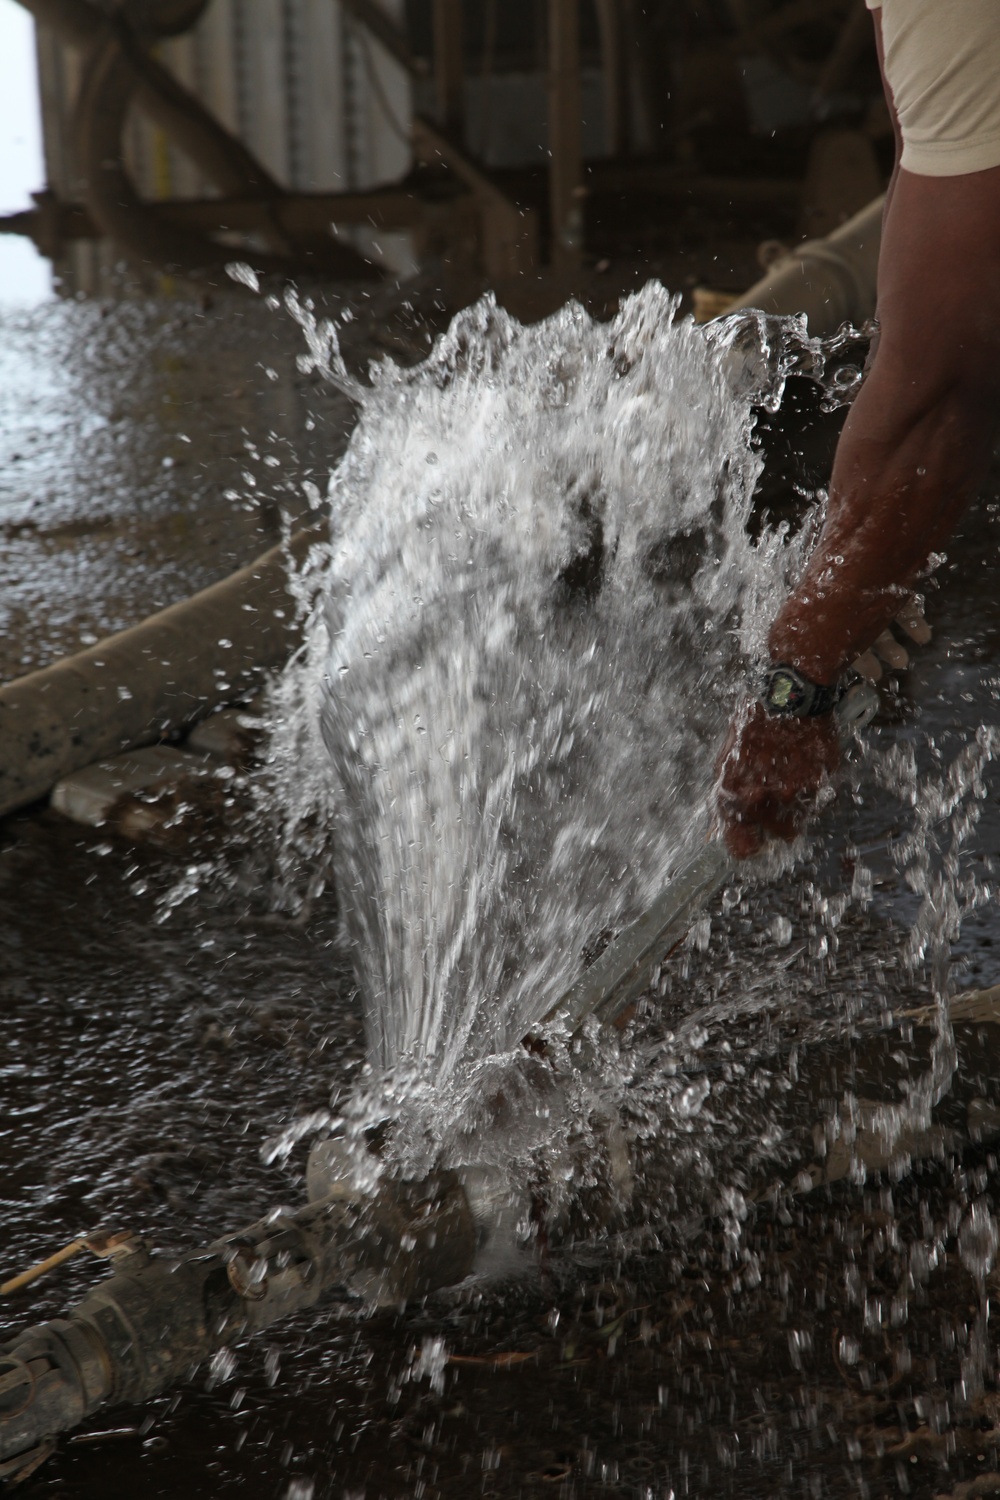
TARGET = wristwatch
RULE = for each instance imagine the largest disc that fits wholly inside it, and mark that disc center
(787, 694)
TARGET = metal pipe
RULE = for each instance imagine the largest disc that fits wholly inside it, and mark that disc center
(223, 158)
(132, 688)
(615, 980)
(120, 69)
(106, 90)
(449, 66)
(154, 1319)
(109, 81)
(832, 281)
(387, 33)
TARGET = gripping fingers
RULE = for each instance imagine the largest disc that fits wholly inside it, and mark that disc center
(868, 666)
(888, 649)
(911, 619)
(892, 652)
(885, 649)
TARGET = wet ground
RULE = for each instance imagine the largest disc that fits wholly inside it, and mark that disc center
(148, 449)
(819, 1354)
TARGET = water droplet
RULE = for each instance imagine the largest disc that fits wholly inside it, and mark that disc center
(849, 1350)
(238, 270)
(978, 1241)
(220, 1367)
(300, 1489)
(431, 1363)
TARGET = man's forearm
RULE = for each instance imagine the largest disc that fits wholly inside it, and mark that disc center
(917, 442)
(892, 505)
(915, 447)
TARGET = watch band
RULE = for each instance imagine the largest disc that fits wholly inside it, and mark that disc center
(786, 693)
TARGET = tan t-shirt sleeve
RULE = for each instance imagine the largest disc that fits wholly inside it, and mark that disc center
(942, 64)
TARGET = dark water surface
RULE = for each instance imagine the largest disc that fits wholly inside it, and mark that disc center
(143, 1064)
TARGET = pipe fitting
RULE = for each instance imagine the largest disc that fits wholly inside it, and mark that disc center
(155, 1318)
(832, 280)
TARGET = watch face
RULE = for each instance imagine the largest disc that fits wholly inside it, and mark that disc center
(787, 692)
(784, 694)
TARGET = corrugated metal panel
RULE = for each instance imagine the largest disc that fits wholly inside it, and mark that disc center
(265, 111)
(320, 67)
(381, 106)
(216, 69)
(318, 100)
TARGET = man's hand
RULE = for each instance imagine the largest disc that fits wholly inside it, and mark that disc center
(891, 651)
(770, 772)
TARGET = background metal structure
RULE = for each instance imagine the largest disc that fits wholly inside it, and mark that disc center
(491, 141)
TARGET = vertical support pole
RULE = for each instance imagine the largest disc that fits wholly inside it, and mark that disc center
(648, 34)
(565, 135)
(616, 94)
(448, 64)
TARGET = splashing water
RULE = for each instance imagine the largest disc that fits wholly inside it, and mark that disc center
(947, 802)
(538, 593)
(536, 609)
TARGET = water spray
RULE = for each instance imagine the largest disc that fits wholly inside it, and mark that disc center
(615, 980)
